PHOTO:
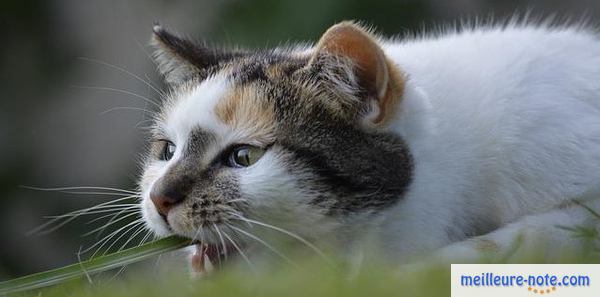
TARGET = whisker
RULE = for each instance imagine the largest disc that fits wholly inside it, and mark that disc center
(104, 240)
(199, 234)
(148, 234)
(221, 239)
(85, 213)
(138, 224)
(134, 235)
(240, 251)
(138, 125)
(115, 217)
(218, 251)
(240, 217)
(100, 209)
(102, 228)
(297, 237)
(274, 250)
(156, 264)
(123, 70)
(124, 108)
(80, 188)
(99, 193)
(111, 215)
(89, 278)
(148, 56)
(117, 274)
(109, 89)
(40, 229)
(93, 210)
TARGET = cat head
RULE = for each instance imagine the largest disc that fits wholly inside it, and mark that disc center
(293, 137)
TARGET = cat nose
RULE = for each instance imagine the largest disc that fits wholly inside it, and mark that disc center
(165, 201)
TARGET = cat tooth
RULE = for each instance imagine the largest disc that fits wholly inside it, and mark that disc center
(196, 262)
(208, 265)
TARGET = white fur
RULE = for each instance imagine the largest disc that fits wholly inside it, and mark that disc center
(196, 109)
(503, 124)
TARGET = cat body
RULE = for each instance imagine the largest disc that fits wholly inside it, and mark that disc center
(504, 124)
(454, 144)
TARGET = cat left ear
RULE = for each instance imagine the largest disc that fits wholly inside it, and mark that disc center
(375, 74)
(180, 59)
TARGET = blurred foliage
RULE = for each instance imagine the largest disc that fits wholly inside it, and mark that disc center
(263, 23)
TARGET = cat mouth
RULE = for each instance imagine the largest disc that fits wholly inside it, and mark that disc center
(208, 256)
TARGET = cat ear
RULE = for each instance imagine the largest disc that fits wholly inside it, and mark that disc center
(180, 59)
(374, 73)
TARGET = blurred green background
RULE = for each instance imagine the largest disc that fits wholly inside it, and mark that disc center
(53, 131)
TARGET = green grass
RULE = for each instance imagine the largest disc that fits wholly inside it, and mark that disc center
(92, 266)
(168, 276)
(312, 278)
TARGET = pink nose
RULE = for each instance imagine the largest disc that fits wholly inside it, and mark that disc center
(164, 203)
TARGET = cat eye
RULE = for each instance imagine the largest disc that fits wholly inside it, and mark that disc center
(168, 150)
(244, 155)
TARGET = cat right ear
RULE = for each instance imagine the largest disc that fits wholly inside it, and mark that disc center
(373, 73)
(180, 59)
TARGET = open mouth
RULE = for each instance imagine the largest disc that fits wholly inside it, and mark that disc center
(207, 257)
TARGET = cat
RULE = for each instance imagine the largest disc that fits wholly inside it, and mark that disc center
(452, 145)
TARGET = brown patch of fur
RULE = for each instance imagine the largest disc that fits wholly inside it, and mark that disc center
(243, 110)
(393, 94)
(274, 71)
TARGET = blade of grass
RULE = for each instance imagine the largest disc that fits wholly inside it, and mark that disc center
(93, 265)
(589, 209)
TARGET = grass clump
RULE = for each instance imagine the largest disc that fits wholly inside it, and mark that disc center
(311, 276)
(92, 266)
(314, 277)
